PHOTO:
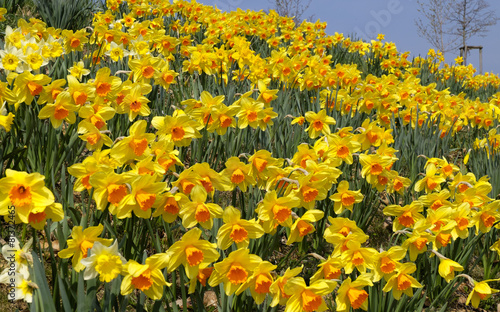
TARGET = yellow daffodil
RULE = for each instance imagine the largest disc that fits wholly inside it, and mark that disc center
(302, 226)
(199, 212)
(274, 211)
(146, 277)
(237, 230)
(351, 294)
(344, 198)
(192, 252)
(81, 242)
(259, 282)
(24, 191)
(239, 173)
(234, 270)
(402, 282)
(307, 298)
(319, 123)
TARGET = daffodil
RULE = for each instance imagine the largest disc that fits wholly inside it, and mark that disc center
(239, 173)
(260, 282)
(406, 216)
(135, 103)
(142, 198)
(199, 212)
(192, 252)
(146, 277)
(179, 128)
(302, 226)
(344, 198)
(81, 242)
(39, 214)
(109, 187)
(24, 191)
(481, 291)
(351, 294)
(237, 230)
(135, 146)
(23, 286)
(277, 288)
(329, 269)
(319, 123)
(21, 257)
(387, 262)
(274, 210)
(27, 86)
(169, 206)
(447, 268)
(307, 298)
(355, 256)
(234, 270)
(402, 281)
(105, 261)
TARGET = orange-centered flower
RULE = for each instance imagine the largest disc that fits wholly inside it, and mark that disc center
(145, 200)
(304, 228)
(103, 88)
(20, 195)
(331, 272)
(357, 258)
(178, 133)
(85, 246)
(37, 217)
(347, 199)
(237, 274)
(310, 301)
(75, 42)
(356, 297)
(60, 112)
(406, 219)
(238, 233)
(345, 231)
(252, 116)
(171, 206)
(343, 151)
(139, 146)
(387, 265)
(376, 169)
(135, 106)
(487, 219)
(403, 282)
(34, 88)
(309, 193)
(202, 213)
(420, 243)
(143, 281)
(262, 284)
(79, 97)
(317, 125)
(148, 71)
(194, 256)
(116, 193)
(260, 164)
(281, 213)
(237, 176)
(225, 121)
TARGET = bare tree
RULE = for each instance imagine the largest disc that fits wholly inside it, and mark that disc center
(435, 24)
(291, 8)
(470, 18)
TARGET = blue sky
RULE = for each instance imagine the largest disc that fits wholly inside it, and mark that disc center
(394, 18)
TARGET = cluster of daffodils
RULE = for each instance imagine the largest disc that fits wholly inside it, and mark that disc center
(17, 273)
(156, 47)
